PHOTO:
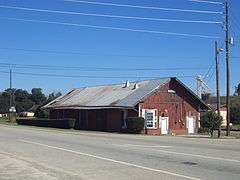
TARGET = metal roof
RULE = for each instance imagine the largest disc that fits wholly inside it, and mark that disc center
(107, 95)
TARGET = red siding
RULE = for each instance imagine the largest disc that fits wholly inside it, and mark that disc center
(177, 106)
(174, 105)
(114, 120)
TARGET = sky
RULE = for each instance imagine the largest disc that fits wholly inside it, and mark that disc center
(109, 56)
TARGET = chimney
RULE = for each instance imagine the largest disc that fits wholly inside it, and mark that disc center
(127, 84)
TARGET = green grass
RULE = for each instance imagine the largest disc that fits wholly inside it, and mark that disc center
(236, 126)
(5, 120)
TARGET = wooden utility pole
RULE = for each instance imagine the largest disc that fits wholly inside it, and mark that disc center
(217, 51)
(11, 94)
(227, 65)
(199, 86)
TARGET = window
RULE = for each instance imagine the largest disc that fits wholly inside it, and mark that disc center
(150, 119)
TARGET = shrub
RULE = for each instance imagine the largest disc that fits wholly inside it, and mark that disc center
(54, 123)
(202, 130)
(40, 113)
(235, 115)
(210, 121)
(135, 124)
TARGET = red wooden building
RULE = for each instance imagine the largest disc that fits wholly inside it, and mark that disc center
(166, 104)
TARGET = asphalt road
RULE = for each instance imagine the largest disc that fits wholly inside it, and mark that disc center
(32, 153)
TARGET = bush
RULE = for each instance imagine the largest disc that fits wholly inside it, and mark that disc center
(210, 121)
(202, 130)
(54, 123)
(235, 115)
(135, 124)
(40, 113)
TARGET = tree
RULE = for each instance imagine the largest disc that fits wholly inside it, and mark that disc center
(25, 101)
(53, 96)
(22, 100)
(4, 102)
(37, 96)
(40, 113)
(235, 115)
(237, 90)
(210, 121)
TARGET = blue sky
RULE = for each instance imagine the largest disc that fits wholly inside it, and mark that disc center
(112, 48)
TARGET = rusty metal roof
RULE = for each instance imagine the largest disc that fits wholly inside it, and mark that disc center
(107, 96)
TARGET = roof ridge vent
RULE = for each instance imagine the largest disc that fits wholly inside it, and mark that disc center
(127, 84)
(136, 86)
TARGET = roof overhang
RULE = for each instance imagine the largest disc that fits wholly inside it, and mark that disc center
(203, 105)
(91, 107)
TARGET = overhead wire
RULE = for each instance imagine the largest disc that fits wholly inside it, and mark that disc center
(84, 68)
(86, 76)
(235, 22)
(210, 76)
(113, 28)
(208, 71)
(208, 2)
(143, 7)
(75, 52)
(110, 15)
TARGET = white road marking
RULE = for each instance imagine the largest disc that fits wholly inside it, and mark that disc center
(180, 153)
(111, 160)
(144, 146)
(198, 155)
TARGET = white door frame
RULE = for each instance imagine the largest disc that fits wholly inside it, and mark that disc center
(191, 122)
(161, 124)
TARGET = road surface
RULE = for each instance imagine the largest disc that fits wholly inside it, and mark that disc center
(39, 154)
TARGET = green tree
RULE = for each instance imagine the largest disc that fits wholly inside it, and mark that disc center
(210, 121)
(37, 96)
(238, 90)
(235, 115)
(53, 96)
(40, 113)
(4, 102)
(22, 100)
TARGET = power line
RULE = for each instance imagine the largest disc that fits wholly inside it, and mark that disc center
(208, 71)
(235, 57)
(209, 2)
(49, 67)
(84, 76)
(93, 54)
(210, 76)
(110, 16)
(144, 7)
(114, 28)
(235, 22)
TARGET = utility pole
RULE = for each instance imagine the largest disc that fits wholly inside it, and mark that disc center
(12, 109)
(199, 86)
(11, 94)
(217, 51)
(227, 65)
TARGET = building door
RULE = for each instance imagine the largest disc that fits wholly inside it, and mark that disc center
(190, 124)
(164, 125)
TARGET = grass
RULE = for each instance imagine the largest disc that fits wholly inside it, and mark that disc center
(236, 126)
(5, 120)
